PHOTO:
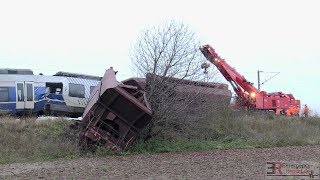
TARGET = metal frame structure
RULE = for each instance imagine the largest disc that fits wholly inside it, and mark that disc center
(115, 114)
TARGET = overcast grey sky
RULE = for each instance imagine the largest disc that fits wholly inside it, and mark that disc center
(90, 36)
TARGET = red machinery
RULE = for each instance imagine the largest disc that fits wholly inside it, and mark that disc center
(247, 95)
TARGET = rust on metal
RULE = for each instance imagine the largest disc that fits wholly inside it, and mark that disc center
(118, 111)
(185, 85)
(213, 92)
(115, 114)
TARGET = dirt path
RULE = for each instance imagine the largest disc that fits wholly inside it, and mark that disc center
(215, 164)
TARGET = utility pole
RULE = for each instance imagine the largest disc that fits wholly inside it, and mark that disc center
(259, 84)
(259, 79)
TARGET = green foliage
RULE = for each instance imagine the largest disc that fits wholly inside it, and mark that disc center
(182, 145)
(101, 151)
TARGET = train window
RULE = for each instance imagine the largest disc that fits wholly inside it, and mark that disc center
(20, 91)
(54, 88)
(91, 89)
(4, 94)
(76, 90)
(29, 92)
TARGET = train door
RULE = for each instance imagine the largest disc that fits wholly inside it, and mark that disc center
(25, 95)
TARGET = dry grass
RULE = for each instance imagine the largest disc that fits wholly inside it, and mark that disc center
(30, 140)
(268, 130)
(229, 129)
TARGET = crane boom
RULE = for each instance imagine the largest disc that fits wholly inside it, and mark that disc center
(238, 82)
(248, 95)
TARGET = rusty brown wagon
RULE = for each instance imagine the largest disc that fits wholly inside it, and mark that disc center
(115, 114)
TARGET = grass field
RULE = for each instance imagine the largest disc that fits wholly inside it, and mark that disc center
(28, 140)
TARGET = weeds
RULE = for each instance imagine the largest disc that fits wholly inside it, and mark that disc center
(239, 130)
(28, 140)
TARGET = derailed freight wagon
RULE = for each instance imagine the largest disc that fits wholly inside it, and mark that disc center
(21, 92)
(115, 114)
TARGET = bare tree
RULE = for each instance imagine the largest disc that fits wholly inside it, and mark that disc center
(168, 55)
(168, 50)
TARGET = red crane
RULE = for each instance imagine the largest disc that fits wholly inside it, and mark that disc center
(247, 95)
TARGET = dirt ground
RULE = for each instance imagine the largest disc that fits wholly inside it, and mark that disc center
(215, 164)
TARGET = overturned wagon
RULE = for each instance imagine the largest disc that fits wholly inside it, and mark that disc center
(115, 114)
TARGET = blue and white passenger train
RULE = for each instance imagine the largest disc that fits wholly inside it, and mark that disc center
(22, 92)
